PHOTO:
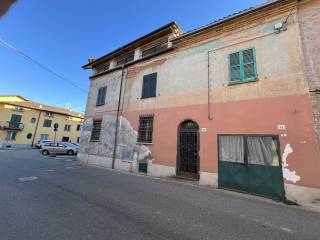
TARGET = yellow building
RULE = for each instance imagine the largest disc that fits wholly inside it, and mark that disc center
(24, 122)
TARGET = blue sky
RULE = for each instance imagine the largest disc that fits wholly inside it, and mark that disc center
(64, 34)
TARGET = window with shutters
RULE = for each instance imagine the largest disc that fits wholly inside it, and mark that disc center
(47, 123)
(11, 136)
(67, 128)
(149, 86)
(101, 96)
(242, 66)
(145, 129)
(96, 130)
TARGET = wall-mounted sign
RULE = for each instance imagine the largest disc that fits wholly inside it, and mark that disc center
(281, 127)
(204, 130)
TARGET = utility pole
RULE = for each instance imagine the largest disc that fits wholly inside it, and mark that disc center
(117, 121)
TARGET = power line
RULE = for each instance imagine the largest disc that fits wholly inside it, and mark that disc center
(26, 56)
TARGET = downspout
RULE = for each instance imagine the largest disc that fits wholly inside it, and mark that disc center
(209, 92)
(117, 121)
(35, 131)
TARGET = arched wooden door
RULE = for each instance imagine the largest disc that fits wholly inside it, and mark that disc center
(188, 150)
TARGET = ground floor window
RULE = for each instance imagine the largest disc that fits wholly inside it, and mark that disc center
(11, 136)
(145, 129)
(44, 136)
(78, 139)
(96, 130)
(65, 139)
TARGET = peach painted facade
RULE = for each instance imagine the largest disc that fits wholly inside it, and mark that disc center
(193, 84)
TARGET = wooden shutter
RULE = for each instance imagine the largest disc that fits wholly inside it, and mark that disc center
(234, 67)
(249, 68)
(101, 96)
(242, 66)
(149, 86)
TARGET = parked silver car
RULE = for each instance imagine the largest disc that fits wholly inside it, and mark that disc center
(43, 142)
(59, 148)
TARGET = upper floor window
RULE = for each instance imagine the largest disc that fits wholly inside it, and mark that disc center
(149, 85)
(96, 130)
(145, 129)
(67, 128)
(242, 66)
(15, 121)
(125, 59)
(78, 127)
(101, 96)
(47, 123)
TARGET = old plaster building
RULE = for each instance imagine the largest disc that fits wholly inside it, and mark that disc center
(24, 122)
(233, 104)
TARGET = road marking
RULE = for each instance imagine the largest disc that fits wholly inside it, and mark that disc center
(69, 160)
(26, 179)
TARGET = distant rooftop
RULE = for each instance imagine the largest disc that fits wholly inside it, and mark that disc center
(19, 101)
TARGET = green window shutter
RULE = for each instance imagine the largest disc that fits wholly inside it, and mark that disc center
(149, 86)
(249, 64)
(242, 66)
(235, 67)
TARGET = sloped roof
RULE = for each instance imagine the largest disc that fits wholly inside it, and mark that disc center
(44, 107)
(227, 18)
(94, 61)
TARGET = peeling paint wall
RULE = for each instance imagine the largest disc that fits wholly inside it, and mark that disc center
(127, 149)
(290, 176)
(280, 96)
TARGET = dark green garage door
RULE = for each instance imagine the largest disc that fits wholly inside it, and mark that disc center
(251, 163)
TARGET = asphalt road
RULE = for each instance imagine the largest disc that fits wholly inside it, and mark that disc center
(71, 201)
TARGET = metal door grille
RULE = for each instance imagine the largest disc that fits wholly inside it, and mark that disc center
(188, 149)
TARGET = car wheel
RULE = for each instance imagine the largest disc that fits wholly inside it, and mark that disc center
(70, 152)
(45, 152)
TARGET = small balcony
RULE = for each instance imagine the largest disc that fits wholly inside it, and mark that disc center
(154, 50)
(17, 126)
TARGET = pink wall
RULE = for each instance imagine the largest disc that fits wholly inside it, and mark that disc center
(242, 117)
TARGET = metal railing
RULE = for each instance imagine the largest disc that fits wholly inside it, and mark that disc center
(155, 50)
(11, 125)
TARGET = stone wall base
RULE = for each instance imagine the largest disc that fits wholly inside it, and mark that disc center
(157, 170)
(208, 179)
(101, 161)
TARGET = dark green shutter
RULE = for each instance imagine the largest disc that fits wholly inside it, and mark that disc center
(149, 85)
(249, 71)
(15, 120)
(101, 98)
(242, 66)
(235, 67)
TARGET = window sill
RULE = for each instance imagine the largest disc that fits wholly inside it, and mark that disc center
(94, 141)
(143, 143)
(99, 105)
(242, 82)
(143, 98)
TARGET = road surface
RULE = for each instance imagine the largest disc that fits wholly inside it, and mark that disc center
(44, 198)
